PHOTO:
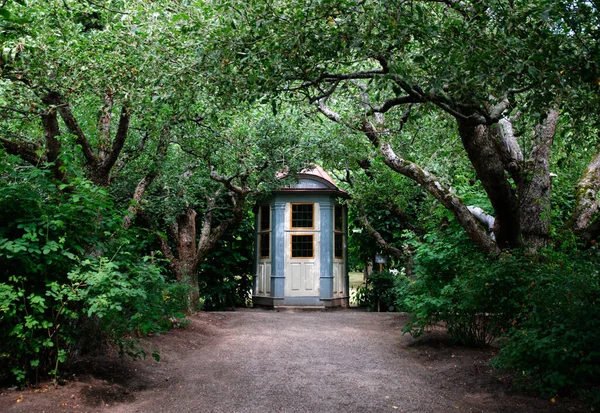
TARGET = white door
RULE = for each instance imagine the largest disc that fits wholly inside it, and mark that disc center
(302, 250)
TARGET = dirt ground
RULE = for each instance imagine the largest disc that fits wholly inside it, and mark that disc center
(268, 361)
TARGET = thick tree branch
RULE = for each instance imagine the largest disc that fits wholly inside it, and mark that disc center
(53, 145)
(393, 251)
(228, 182)
(162, 243)
(28, 151)
(423, 177)
(488, 162)
(393, 102)
(146, 181)
(365, 74)
(67, 116)
(325, 110)
(104, 122)
(208, 221)
(210, 235)
(443, 194)
(496, 111)
(534, 188)
(509, 141)
(120, 137)
(586, 198)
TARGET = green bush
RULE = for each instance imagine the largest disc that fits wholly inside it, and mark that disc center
(70, 277)
(543, 310)
(553, 348)
(226, 276)
(477, 297)
(383, 291)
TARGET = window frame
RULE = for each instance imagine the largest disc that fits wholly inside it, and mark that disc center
(260, 221)
(341, 245)
(264, 232)
(260, 245)
(338, 232)
(312, 242)
(340, 208)
(312, 204)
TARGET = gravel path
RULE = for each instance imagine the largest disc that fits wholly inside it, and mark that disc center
(267, 361)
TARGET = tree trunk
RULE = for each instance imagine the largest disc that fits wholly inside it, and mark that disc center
(443, 194)
(186, 252)
(424, 178)
(53, 145)
(488, 163)
(146, 181)
(98, 165)
(534, 187)
(586, 201)
(98, 174)
(104, 125)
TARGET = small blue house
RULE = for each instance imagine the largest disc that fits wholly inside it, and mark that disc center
(301, 245)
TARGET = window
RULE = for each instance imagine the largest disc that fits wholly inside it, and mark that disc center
(338, 236)
(264, 235)
(302, 216)
(302, 246)
(338, 218)
(265, 218)
(264, 240)
(338, 246)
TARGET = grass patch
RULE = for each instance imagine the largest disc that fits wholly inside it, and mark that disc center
(356, 280)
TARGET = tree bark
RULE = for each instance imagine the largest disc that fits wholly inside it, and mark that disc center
(104, 121)
(186, 251)
(424, 178)
(535, 186)
(433, 185)
(98, 165)
(28, 151)
(53, 145)
(586, 201)
(210, 236)
(489, 165)
(146, 181)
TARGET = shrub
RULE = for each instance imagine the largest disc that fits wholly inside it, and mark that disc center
(553, 348)
(477, 297)
(544, 309)
(383, 291)
(69, 275)
(226, 276)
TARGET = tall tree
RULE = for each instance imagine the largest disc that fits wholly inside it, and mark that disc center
(211, 176)
(375, 67)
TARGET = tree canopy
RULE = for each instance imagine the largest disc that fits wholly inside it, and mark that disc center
(146, 131)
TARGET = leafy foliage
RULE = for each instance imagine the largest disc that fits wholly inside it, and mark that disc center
(553, 347)
(383, 291)
(68, 270)
(541, 309)
(475, 296)
(226, 276)
(213, 80)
